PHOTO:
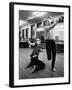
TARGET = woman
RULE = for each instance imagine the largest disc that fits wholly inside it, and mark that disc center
(35, 62)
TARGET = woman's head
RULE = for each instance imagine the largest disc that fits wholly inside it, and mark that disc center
(38, 41)
(36, 44)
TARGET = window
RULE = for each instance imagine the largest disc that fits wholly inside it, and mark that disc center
(39, 24)
(27, 32)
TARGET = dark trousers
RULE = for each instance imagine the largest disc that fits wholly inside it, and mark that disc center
(51, 51)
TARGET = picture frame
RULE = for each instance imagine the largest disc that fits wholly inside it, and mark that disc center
(19, 11)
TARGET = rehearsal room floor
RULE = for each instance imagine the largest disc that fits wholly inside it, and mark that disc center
(24, 60)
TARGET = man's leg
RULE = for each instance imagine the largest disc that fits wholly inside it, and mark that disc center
(48, 49)
(53, 54)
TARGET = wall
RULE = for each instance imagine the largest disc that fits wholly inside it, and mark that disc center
(59, 31)
(4, 44)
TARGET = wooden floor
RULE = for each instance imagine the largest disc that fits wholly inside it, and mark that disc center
(24, 60)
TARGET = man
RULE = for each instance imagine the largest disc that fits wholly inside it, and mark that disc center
(50, 44)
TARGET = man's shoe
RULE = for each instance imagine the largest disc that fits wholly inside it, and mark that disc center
(53, 69)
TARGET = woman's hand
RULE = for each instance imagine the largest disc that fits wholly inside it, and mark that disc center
(34, 56)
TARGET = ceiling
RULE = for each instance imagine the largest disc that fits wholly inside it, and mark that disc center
(29, 17)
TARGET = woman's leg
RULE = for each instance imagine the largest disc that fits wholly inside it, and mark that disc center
(33, 70)
(39, 66)
(32, 63)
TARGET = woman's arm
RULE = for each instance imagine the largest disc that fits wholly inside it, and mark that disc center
(42, 50)
(31, 43)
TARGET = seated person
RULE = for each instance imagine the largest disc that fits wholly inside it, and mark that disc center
(35, 62)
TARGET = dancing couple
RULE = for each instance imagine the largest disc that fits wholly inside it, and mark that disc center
(50, 50)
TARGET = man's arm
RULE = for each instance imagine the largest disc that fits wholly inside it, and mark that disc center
(48, 28)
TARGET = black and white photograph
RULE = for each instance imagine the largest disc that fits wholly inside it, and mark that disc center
(41, 44)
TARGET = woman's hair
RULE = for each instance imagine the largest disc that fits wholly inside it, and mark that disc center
(36, 44)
